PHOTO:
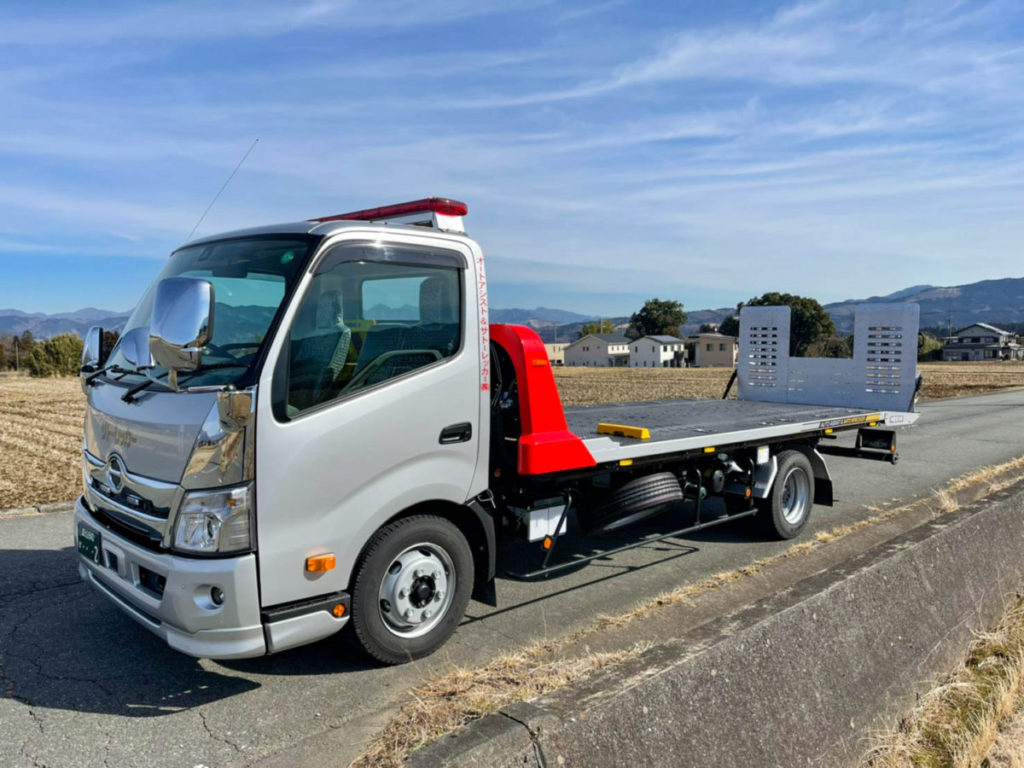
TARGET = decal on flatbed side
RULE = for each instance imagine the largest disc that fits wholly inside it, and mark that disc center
(849, 420)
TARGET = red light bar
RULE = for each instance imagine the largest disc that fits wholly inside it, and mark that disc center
(441, 205)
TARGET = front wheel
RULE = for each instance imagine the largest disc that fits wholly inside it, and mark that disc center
(411, 589)
(785, 511)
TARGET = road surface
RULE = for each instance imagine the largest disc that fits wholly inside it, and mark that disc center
(82, 685)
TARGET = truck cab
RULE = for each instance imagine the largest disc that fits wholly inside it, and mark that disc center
(278, 397)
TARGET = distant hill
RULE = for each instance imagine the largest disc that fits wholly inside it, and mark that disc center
(990, 301)
(44, 326)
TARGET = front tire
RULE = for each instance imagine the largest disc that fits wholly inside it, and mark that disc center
(412, 586)
(786, 510)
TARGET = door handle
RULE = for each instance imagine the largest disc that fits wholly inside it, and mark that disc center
(456, 433)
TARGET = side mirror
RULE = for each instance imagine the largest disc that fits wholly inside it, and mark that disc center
(93, 355)
(181, 325)
(134, 346)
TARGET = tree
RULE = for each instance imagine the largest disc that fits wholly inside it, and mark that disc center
(656, 318)
(928, 347)
(59, 356)
(730, 326)
(108, 341)
(598, 326)
(833, 346)
(809, 322)
(708, 328)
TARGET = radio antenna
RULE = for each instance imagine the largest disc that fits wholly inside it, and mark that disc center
(223, 187)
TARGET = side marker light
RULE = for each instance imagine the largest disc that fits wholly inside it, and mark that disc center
(320, 563)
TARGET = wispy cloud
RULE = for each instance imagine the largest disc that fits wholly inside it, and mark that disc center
(671, 149)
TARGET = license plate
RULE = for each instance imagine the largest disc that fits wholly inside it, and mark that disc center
(89, 543)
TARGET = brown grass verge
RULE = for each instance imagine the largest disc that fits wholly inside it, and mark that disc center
(451, 699)
(957, 723)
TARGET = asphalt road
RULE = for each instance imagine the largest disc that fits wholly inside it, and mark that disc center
(82, 685)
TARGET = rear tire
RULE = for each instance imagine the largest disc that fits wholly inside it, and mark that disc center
(632, 502)
(784, 513)
(411, 588)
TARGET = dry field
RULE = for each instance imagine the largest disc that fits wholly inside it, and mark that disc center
(580, 386)
(40, 440)
(41, 419)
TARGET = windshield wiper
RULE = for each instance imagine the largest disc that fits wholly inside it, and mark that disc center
(91, 378)
(131, 393)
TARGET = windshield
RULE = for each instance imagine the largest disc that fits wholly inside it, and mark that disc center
(250, 279)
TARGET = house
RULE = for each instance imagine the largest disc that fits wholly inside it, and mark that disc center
(982, 341)
(713, 350)
(556, 352)
(657, 352)
(598, 350)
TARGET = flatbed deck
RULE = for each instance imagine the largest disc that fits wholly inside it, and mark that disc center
(695, 424)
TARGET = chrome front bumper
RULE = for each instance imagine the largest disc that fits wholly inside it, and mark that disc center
(171, 596)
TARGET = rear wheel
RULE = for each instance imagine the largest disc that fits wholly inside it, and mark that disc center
(412, 586)
(786, 510)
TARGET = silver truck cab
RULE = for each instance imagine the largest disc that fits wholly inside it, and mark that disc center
(278, 397)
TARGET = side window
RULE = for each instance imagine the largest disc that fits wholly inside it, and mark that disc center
(362, 323)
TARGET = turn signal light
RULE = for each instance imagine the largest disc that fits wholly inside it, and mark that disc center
(338, 610)
(321, 563)
(547, 542)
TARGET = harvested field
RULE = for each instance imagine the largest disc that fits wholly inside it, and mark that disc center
(40, 440)
(41, 419)
(581, 386)
(959, 379)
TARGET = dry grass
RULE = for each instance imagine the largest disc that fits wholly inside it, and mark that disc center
(40, 440)
(445, 702)
(957, 724)
(959, 379)
(582, 386)
(451, 699)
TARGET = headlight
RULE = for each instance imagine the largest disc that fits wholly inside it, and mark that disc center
(215, 521)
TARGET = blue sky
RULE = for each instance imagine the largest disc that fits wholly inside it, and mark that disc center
(609, 151)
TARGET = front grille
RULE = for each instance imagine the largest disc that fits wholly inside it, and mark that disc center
(131, 500)
(134, 533)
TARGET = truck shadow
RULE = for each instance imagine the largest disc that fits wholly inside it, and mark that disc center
(64, 646)
(518, 556)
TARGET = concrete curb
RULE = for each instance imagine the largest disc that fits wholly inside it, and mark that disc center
(38, 509)
(798, 678)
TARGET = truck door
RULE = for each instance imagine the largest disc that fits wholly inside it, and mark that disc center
(373, 407)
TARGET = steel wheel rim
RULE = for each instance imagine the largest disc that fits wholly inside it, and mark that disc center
(416, 590)
(796, 492)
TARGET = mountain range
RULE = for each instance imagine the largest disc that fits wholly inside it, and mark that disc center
(990, 301)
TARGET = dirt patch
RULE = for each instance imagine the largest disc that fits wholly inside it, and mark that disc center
(41, 423)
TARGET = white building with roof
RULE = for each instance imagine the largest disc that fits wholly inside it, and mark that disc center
(982, 341)
(598, 350)
(657, 352)
(714, 350)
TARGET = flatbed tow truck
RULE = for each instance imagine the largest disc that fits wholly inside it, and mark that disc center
(313, 427)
